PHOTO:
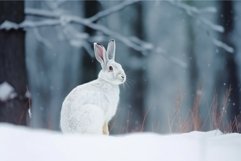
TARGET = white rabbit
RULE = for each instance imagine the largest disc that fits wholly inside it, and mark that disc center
(89, 107)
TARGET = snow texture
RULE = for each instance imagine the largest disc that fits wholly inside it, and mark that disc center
(8, 25)
(6, 92)
(19, 143)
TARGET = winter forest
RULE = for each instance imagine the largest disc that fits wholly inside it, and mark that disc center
(182, 60)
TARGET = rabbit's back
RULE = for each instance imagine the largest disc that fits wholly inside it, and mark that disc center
(86, 104)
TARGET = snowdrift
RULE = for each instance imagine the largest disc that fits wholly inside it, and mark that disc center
(24, 144)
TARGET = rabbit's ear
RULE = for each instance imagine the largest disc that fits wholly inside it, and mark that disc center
(100, 54)
(111, 50)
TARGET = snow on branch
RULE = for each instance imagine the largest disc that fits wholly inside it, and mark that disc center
(112, 10)
(134, 42)
(63, 19)
(195, 12)
(6, 92)
(57, 18)
(223, 45)
(32, 24)
(213, 26)
(7, 25)
(41, 13)
(208, 10)
(42, 23)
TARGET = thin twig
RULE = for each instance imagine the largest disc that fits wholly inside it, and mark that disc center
(41, 13)
(41, 39)
(112, 10)
(42, 23)
(194, 12)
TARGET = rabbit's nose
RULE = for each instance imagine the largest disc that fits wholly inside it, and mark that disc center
(123, 78)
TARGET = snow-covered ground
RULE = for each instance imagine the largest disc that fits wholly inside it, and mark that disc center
(24, 144)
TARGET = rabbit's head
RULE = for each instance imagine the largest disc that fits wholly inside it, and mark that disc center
(112, 71)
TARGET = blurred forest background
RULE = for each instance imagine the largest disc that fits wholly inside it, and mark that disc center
(182, 59)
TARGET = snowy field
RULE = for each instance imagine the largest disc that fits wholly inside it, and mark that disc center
(23, 144)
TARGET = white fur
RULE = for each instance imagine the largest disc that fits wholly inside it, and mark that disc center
(89, 106)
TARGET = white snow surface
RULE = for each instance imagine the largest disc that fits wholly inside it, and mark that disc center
(24, 144)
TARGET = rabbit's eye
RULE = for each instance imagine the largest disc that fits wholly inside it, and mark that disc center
(110, 68)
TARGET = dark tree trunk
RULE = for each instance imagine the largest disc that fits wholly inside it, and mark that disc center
(137, 95)
(89, 67)
(227, 20)
(193, 71)
(12, 64)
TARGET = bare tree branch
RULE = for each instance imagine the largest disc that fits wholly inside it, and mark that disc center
(223, 45)
(194, 12)
(41, 13)
(7, 25)
(99, 15)
(65, 19)
(57, 18)
(41, 39)
(112, 10)
(42, 23)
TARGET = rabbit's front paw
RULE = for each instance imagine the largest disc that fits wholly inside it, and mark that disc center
(106, 129)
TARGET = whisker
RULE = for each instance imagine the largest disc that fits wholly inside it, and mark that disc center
(128, 83)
